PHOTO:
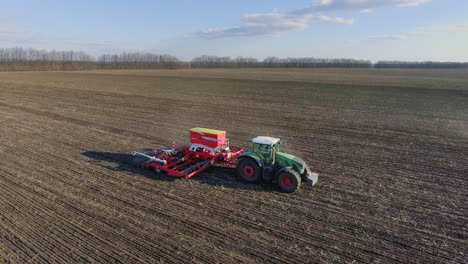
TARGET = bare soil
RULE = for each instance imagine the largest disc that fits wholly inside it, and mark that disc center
(390, 147)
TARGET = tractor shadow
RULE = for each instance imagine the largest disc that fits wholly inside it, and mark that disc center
(219, 177)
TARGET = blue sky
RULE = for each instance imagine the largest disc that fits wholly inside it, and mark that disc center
(360, 29)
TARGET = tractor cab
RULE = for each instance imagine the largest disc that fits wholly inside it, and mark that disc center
(266, 147)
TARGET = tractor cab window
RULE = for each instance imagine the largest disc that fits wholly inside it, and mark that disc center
(262, 148)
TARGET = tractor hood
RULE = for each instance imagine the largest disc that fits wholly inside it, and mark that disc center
(288, 157)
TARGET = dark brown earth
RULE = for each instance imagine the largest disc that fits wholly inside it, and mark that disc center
(390, 147)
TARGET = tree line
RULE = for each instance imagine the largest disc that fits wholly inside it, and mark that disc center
(306, 62)
(21, 59)
(137, 61)
(425, 64)
(310, 62)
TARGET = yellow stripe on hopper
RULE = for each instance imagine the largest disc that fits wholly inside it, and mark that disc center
(207, 130)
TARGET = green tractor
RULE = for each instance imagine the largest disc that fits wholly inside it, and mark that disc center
(265, 162)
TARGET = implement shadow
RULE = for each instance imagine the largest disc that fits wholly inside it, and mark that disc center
(216, 176)
(122, 162)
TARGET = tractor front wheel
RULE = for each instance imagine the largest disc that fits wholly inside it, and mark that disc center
(249, 170)
(289, 180)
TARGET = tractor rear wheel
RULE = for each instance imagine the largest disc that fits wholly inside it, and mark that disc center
(249, 170)
(289, 180)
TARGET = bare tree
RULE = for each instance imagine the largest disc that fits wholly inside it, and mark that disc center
(214, 61)
(138, 61)
(425, 64)
(20, 59)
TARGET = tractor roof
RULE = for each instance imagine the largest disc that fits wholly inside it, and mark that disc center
(265, 140)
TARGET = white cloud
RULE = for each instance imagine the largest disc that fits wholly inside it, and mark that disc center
(389, 37)
(7, 31)
(421, 31)
(334, 20)
(447, 27)
(276, 23)
(359, 5)
(269, 24)
(458, 27)
(7, 34)
(325, 2)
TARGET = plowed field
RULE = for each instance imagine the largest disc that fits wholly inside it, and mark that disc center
(390, 147)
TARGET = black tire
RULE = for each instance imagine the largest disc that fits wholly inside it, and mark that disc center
(288, 180)
(249, 170)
